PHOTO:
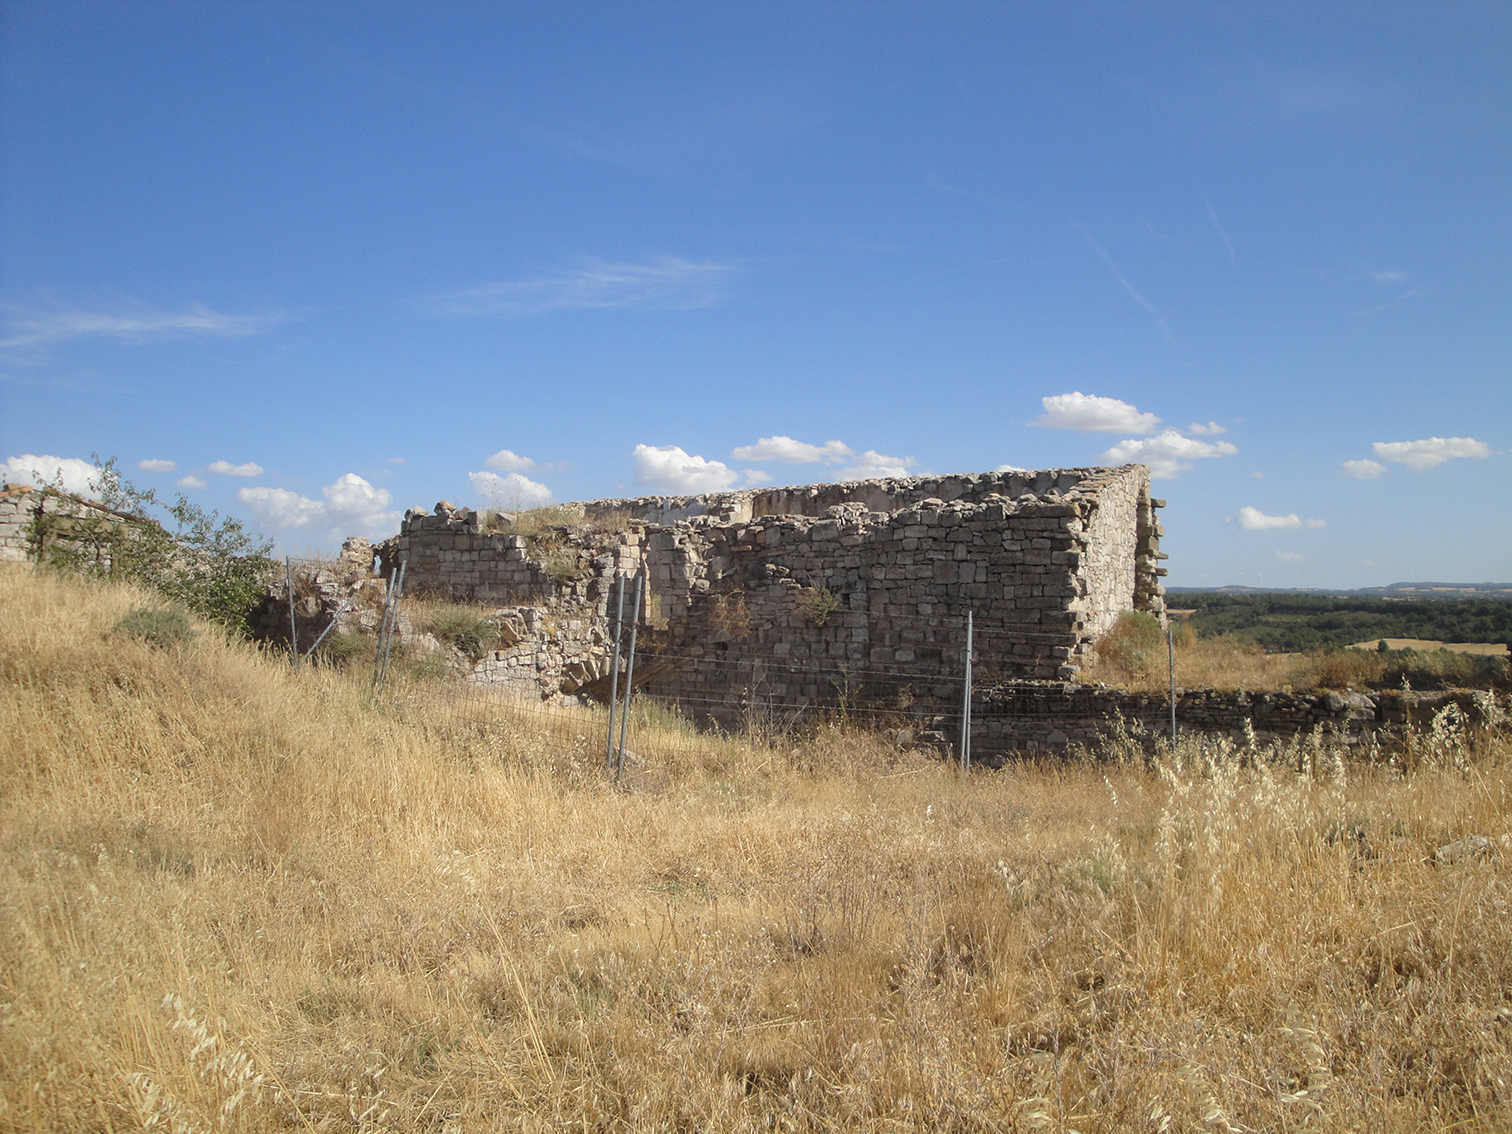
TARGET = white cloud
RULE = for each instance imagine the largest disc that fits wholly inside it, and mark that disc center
(151, 465)
(192, 482)
(1009, 468)
(1290, 556)
(510, 492)
(397, 461)
(669, 467)
(791, 452)
(1211, 429)
(226, 468)
(1092, 414)
(756, 476)
(1420, 456)
(36, 323)
(77, 475)
(1363, 470)
(351, 506)
(666, 283)
(1166, 454)
(506, 461)
(1254, 520)
(871, 465)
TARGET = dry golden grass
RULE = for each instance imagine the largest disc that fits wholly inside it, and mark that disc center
(1133, 655)
(237, 898)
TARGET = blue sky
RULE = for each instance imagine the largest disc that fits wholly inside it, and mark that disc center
(315, 263)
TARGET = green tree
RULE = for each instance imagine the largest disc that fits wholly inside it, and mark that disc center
(209, 564)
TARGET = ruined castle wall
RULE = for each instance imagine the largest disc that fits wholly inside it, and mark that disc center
(790, 611)
(888, 494)
(449, 554)
(20, 503)
(786, 599)
(17, 506)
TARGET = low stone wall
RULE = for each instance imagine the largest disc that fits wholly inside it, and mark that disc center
(1043, 718)
(20, 504)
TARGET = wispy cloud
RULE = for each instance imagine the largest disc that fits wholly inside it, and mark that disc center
(667, 283)
(154, 465)
(1167, 454)
(1363, 469)
(191, 481)
(790, 452)
(1211, 429)
(872, 465)
(1122, 282)
(506, 460)
(1387, 277)
(1222, 234)
(1092, 414)
(1254, 520)
(511, 491)
(37, 323)
(1420, 456)
(226, 468)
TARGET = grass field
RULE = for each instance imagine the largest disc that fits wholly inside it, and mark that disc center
(236, 898)
(1490, 649)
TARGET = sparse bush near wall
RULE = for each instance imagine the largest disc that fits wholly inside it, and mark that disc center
(462, 628)
(157, 626)
(730, 617)
(211, 565)
(344, 648)
(1135, 647)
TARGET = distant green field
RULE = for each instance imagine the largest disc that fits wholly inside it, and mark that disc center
(1287, 623)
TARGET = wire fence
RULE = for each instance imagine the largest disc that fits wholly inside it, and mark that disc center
(735, 684)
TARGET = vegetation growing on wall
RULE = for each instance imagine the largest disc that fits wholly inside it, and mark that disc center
(211, 565)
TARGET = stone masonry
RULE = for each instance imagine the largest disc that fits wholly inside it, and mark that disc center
(780, 600)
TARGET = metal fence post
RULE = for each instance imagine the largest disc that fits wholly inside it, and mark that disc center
(293, 627)
(1171, 663)
(966, 703)
(393, 623)
(619, 766)
(619, 625)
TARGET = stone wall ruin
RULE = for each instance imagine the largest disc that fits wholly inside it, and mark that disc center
(777, 601)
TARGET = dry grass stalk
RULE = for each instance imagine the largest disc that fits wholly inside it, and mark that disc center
(233, 898)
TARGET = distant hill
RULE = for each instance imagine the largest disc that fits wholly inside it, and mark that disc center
(1390, 591)
(1291, 621)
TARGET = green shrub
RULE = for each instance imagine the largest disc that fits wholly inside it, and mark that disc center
(212, 566)
(157, 626)
(344, 648)
(466, 632)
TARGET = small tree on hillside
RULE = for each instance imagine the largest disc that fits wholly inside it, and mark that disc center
(211, 565)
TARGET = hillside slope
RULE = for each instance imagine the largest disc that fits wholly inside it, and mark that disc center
(233, 897)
